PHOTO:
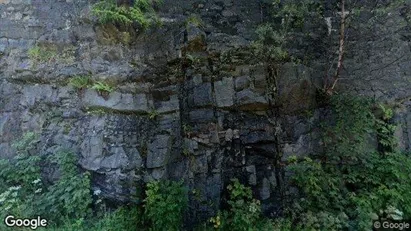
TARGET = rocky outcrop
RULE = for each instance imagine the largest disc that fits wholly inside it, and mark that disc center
(190, 101)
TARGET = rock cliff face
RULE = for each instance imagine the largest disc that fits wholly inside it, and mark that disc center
(190, 102)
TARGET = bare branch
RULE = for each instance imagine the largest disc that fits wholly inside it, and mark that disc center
(341, 47)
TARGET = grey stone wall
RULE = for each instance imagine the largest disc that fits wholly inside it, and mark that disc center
(216, 117)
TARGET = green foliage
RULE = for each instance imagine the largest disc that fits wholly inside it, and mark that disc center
(124, 218)
(244, 212)
(142, 12)
(70, 225)
(80, 82)
(20, 178)
(153, 114)
(292, 14)
(24, 194)
(70, 196)
(186, 152)
(276, 39)
(193, 60)
(165, 204)
(42, 54)
(346, 140)
(304, 31)
(270, 44)
(385, 130)
(97, 111)
(102, 87)
(385, 184)
(34, 53)
(245, 209)
(323, 220)
(282, 224)
(194, 20)
(348, 184)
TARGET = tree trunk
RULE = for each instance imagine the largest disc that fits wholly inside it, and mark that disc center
(340, 50)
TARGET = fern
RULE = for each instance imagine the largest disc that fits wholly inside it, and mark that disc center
(102, 87)
(80, 82)
(142, 12)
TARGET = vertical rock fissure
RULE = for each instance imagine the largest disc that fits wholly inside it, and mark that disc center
(274, 114)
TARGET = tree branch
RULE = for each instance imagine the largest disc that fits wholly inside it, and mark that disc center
(340, 50)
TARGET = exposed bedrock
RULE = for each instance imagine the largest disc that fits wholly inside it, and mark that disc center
(204, 118)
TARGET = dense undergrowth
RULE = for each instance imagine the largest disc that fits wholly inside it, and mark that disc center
(351, 183)
(345, 187)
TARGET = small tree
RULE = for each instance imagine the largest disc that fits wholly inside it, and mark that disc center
(302, 32)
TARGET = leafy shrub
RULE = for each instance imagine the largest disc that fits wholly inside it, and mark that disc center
(270, 44)
(165, 204)
(283, 224)
(349, 183)
(23, 193)
(244, 208)
(277, 40)
(385, 130)
(20, 181)
(244, 212)
(70, 196)
(70, 225)
(142, 12)
(124, 219)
